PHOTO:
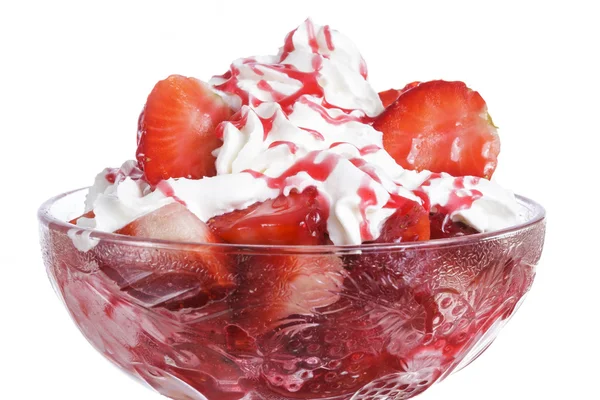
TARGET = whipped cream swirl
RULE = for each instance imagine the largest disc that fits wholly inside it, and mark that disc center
(304, 120)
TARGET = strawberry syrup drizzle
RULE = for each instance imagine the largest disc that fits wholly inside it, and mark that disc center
(368, 198)
(310, 85)
(336, 144)
(316, 134)
(322, 111)
(253, 65)
(312, 38)
(165, 188)
(239, 120)
(363, 68)
(328, 40)
(267, 124)
(292, 146)
(456, 202)
(231, 84)
(318, 171)
(288, 45)
(266, 87)
(366, 168)
(369, 149)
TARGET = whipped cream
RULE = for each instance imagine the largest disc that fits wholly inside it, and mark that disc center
(303, 120)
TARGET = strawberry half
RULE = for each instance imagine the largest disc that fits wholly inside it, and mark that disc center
(189, 276)
(441, 127)
(176, 130)
(275, 286)
(300, 218)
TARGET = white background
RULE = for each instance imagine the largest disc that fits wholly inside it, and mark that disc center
(74, 78)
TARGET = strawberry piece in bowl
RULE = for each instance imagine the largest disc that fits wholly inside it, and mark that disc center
(299, 218)
(172, 280)
(441, 127)
(409, 223)
(441, 227)
(176, 130)
(370, 272)
(273, 288)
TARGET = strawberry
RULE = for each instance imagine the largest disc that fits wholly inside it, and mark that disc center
(442, 127)
(443, 227)
(410, 223)
(189, 276)
(379, 273)
(388, 97)
(274, 287)
(176, 130)
(172, 222)
(299, 218)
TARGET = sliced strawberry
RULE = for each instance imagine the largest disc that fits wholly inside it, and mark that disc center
(274, 287)
(443, 227)
(441, 127)
(172, 222)
(379, 275)
(410, 223)
(299, 218)
(176, 130)
(189, 276)
(388, 97)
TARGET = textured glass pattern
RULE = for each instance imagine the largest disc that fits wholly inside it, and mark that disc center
(401, 318)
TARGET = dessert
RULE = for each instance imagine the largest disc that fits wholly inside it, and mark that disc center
(263, 201)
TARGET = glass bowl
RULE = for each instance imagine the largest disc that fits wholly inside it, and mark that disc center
(399, 317)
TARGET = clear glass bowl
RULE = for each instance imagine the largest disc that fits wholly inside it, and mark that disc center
(403, 316)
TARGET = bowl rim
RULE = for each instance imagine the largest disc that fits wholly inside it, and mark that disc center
(46, 218)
